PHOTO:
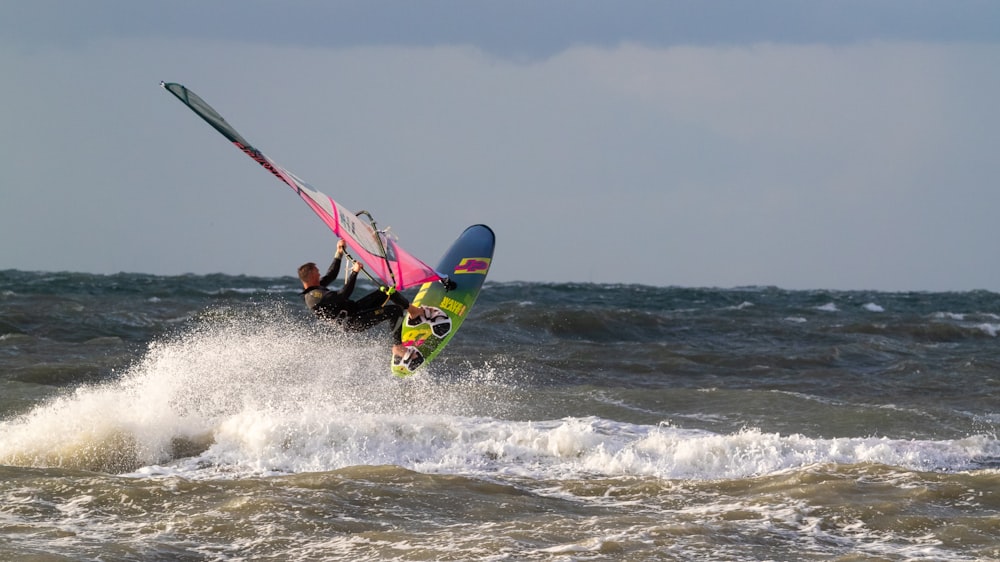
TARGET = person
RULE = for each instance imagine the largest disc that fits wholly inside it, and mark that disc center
(381, 305)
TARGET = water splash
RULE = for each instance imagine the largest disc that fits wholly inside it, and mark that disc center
(245, 370)
(256, 390)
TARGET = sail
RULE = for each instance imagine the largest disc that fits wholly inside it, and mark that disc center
(382, 257)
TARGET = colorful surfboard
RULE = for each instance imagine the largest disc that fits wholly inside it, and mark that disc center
(466, 264)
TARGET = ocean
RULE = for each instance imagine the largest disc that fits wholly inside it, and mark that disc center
(209, 417)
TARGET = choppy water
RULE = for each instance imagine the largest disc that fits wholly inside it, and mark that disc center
(210, 418)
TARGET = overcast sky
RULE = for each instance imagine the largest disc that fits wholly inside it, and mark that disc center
(808, 145)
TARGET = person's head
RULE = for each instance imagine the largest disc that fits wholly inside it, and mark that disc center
(309, 274)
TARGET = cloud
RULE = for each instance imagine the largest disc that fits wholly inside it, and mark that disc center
(858, 166)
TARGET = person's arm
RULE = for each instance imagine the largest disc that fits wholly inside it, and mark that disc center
(334, 269)
(352, 278)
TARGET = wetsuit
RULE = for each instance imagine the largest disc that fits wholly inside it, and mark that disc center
(360, 315)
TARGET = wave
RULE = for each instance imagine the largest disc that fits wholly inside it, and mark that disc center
(259, 392)
(244, 387)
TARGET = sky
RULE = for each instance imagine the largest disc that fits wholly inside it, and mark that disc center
(830, 144)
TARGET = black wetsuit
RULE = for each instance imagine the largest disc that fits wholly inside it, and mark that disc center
(360, 315)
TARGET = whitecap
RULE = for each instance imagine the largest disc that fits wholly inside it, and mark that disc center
(949, 316)
(990, 329)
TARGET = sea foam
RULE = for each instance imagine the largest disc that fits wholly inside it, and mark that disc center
(259, 392)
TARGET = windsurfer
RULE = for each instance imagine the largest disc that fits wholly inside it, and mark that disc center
(370, 310)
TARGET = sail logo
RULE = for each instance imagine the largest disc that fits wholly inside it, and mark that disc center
(347, 222)
(473, 265)
(259, 158)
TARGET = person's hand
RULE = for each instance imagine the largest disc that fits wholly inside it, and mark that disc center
(341, 246)
(357, 267)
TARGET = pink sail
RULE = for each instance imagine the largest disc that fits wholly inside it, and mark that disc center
(382, 257)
